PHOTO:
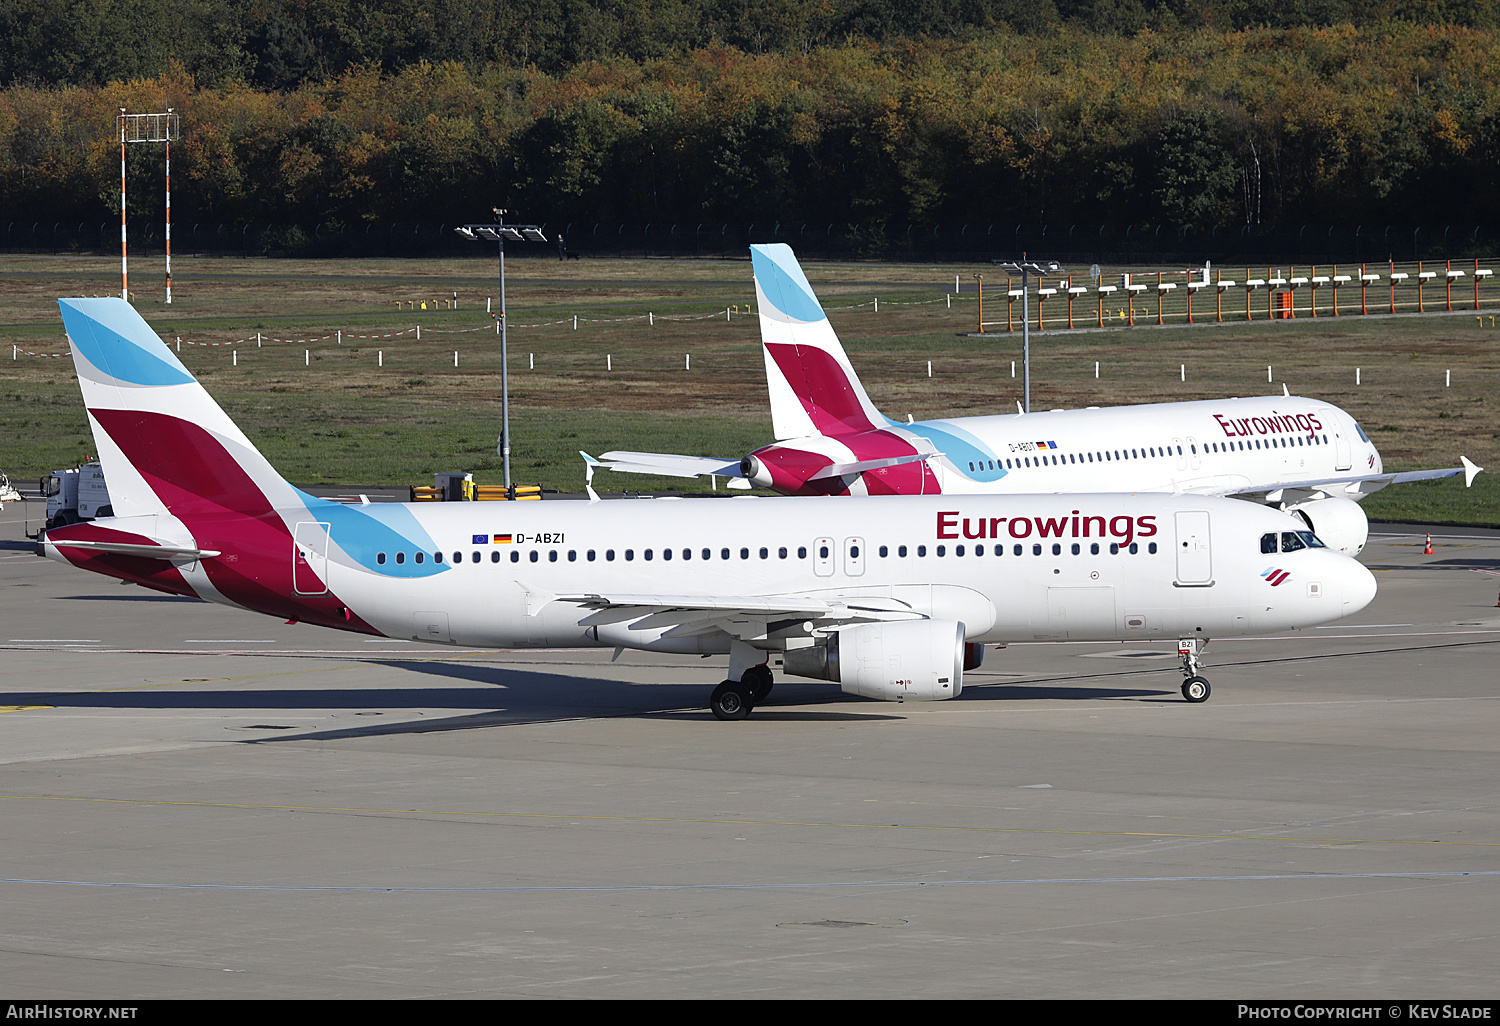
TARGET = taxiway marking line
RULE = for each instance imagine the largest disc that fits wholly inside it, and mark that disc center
(744, 822)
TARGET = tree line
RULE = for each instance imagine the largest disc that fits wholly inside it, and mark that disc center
(278, 44)
(1189, 125)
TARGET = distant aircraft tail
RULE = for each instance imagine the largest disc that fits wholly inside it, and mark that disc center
(814, 390)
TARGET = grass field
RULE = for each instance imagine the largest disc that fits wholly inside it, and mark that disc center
(392, 410)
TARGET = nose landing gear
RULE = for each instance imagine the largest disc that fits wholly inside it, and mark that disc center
(1195, 688)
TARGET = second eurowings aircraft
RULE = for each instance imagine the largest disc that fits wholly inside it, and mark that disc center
(1302, 455)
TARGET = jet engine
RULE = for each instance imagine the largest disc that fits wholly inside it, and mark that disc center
(1340, 523)
(918, 659)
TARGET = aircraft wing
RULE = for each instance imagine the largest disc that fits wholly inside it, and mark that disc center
(666, 464)
(1351, 484)
(740, 616)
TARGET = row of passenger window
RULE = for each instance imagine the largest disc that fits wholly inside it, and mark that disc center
(1037, 549)
(1274, 442)
(1149, 452)
(591, 555)
(553, 555)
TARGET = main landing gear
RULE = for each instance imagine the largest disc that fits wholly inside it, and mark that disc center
(733, 699)
(1195, 688)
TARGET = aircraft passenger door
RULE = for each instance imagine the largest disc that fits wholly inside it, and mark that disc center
(310, 558)
(854, 556)
(1192, 448)
(1342, 452)
(823, 557)
(1195, 566)
(1181, 453)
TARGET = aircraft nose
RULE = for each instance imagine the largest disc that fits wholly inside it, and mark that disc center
(1356, 586)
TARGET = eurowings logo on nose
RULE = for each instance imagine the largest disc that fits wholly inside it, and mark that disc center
(1275, 576)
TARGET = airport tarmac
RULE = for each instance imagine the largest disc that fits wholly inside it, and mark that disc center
(199, 802)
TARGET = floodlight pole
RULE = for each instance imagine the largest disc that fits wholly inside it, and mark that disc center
(504, 441)
(150, 128)
(124, 275)
(498, 231)
(1026, 337)
(1025, 268)
(169, 213)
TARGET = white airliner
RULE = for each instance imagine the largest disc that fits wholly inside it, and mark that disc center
(892, 598)
(1302, 455)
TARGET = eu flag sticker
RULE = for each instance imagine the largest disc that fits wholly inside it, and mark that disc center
(481, 539)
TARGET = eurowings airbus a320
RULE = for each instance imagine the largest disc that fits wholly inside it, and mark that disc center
(1301, 455)
(892, 598)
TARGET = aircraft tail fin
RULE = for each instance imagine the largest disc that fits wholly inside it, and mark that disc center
(164, 444)
(814, 390)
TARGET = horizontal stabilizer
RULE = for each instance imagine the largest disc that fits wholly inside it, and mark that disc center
(174, 553)
(665, 464)
(846, 469)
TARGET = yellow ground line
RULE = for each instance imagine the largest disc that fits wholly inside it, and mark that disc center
(743, 822)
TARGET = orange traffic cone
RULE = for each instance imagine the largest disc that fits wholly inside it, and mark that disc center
(1428, 550)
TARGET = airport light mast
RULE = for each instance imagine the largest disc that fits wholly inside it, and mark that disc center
(1025, 267)
(499, 232)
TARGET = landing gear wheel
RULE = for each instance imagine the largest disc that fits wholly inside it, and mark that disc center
(731, 700)
(759, 680)
(1196, 689)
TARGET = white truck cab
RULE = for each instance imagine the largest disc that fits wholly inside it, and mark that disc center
(77, 494)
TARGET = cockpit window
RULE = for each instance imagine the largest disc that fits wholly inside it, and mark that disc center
(1361, 433)
(1291, 541)
(1268, 542)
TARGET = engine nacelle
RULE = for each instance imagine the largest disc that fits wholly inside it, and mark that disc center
(918, 659)
(1340, 523)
